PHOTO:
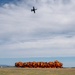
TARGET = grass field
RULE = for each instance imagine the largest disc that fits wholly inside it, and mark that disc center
(36, 71)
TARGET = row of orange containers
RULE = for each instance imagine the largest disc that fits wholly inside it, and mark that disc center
(55, 64)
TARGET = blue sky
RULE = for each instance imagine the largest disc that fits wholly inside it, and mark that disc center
(67, 61)
(48, 33)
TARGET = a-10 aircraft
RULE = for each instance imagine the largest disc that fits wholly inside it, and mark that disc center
(33, 9)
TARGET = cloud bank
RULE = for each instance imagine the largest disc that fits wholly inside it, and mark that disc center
(48, 33)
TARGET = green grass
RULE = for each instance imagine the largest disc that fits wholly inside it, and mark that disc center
(36, 71)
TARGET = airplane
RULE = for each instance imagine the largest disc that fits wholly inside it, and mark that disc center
(33, 9)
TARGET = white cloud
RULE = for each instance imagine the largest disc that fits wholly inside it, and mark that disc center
(50, 31)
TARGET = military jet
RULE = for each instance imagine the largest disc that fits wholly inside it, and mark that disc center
(33, 9)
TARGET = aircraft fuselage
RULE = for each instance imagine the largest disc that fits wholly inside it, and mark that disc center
(33, 9)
